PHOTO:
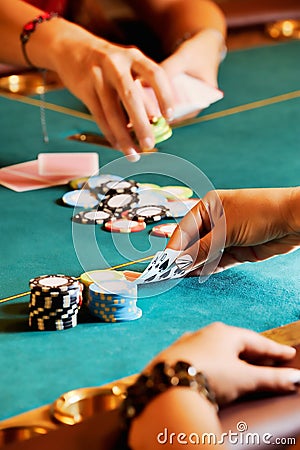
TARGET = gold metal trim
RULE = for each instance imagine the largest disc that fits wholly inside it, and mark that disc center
(10, 435)
(78, 405)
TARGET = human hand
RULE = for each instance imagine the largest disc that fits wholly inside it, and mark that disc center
(199, 57)
(227, 356)
(104, 76)
(260, 223)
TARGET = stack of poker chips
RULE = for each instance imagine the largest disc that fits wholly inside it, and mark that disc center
(114, 301)
(97, 276)
(119, 196)
(54, 302)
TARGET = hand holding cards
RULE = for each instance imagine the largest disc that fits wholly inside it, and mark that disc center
(190, 94)
(163, 267)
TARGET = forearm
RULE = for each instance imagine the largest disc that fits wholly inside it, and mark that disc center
(294, 208)
(175, 418)
(45, 42)
(173, 19)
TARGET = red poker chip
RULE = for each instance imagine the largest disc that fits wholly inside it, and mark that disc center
(164, 230)
(124, 226)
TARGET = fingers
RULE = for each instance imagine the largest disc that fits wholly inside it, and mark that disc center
(251, 345)
(157, 78)
(96, 110)
(120, 69)
(118, 123)
(271, 379)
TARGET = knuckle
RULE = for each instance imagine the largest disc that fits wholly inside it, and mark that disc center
(135, 52)
(155, 72)
(217, 326)
(127, 92)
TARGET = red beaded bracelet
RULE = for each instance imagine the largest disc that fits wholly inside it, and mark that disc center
(29, 28)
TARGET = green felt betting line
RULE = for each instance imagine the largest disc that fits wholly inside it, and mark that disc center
(119, 266)
(242, 108)
(226, 112)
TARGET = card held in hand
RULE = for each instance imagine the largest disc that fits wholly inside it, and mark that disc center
(162, 267)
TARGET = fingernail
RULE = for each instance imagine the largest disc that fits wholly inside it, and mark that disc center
(169, 114)
(132, 155)
(184, 262)
(294, 377)
(147, 143)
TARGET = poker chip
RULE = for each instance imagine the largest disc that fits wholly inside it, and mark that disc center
(119, 187)
(118, 203)
(97, 276)
(114, 301)
(97, 181)
(124, 226)
(164, 230)
(54, 302)
(177, 192)
(181, 208)
(149, 214)
(92, 217)
(80, 198)
(147, 186)
(150, 197)
(40, 324)
(78, 183)
(161, 129)
(48, 283)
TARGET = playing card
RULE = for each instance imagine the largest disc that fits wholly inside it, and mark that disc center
(162, 267)
(25, 177)
(191, 95)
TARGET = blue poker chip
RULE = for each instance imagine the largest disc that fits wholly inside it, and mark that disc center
(81, 198)
(99, 180)
(151, 197)
(114, 301)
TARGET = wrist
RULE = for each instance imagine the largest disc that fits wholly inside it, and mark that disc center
(168, 416)
(211, 40)
(160, 378)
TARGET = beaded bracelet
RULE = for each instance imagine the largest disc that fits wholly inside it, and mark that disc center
(163, 377)
(29, 28)
(27, 31)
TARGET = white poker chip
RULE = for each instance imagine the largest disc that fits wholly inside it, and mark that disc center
(124, 226)
(81, 198)
(92, 217)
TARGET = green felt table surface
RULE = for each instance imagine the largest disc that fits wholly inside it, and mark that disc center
(259, 147)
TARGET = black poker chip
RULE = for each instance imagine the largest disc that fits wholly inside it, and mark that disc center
(49, 312)
(119, 187)
(51, 325)
(92, 217)
(57, 283)
(149, 213)
(118, 203)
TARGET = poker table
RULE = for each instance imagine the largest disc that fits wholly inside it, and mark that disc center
(249, 139)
